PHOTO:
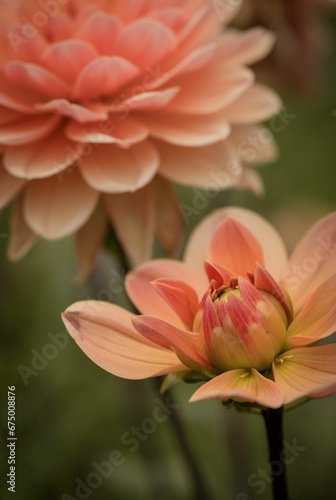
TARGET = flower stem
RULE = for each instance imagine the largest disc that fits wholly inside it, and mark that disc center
(273, 419)
(195, 472)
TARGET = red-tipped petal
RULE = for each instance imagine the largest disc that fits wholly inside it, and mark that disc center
(181, 297)
(300, 372)
(105, 334)
(242, 386)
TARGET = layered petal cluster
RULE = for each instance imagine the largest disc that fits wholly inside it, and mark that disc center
(104, 104)
(237, 314)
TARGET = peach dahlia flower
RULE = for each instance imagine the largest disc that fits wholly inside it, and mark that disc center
(236, 312)
(103, 104)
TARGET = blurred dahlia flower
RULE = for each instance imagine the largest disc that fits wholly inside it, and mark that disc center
(104, 104)
(236, 314)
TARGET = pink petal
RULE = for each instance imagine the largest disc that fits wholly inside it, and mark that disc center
(27, 130)
(169, 223)
(184, 130)
(306, 370)
(312, 261)
(256, 104)
(89, 240)
(246, 47)
(241, 386)
(43, 158)
(126, 131)
(100, 30)
(9, 186)
(187, 345)
(68, 58)
(36, 78)
(110, 169)
(22, 238)
(102, 77)
(254, 144)
(105, 334)
(136, 234)
(251, 180)
(210, 89)
(56, 207)
(59, 28)
(317, 319)
(213, 167)
(145, 42)
(273, 248)
(234, 247)
(181, 297)
(81, 114)
(144, 296)
(329, 391)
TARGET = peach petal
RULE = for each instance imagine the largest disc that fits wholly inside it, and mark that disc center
(43, 158)
(184, 130)
(9, 187)
(89, 240)
(300, 372)
(312, 261)
(22, 238)
(54, 207)
(135, 233)
(241, 386)
(210, 89)
(110, 169)
(145, 42)
(213, 167)
(81, 114)
(103, 76)
(125, 131)
(169, 336)
(36, 78)
(255, 104)
(146, 100)
(169, 223)
(181, 297)
(251, 180)
(105, 334)
(100, 30)
(27, 130)
(144, 296)
(234, 247)
(254, 144)
(246, 47)
(317, 318)
(68, 58)
(274, 251)
(13, 97)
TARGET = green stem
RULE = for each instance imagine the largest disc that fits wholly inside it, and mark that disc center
(273, 419)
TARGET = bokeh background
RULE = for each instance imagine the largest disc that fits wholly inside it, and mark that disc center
(70, 413)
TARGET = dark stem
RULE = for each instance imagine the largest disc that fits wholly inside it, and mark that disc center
(195, 472)
(273, 419)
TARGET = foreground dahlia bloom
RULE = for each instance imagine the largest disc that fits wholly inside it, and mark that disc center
(236, 314)
(104, 104)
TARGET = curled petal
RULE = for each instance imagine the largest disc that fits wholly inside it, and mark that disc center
(300, 372)
(241, 386)
(105, 334)
(22, 238)
(27, 130)
(9, 186)
(246, 47)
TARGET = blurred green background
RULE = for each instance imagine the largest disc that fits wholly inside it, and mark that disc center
(70, 413)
